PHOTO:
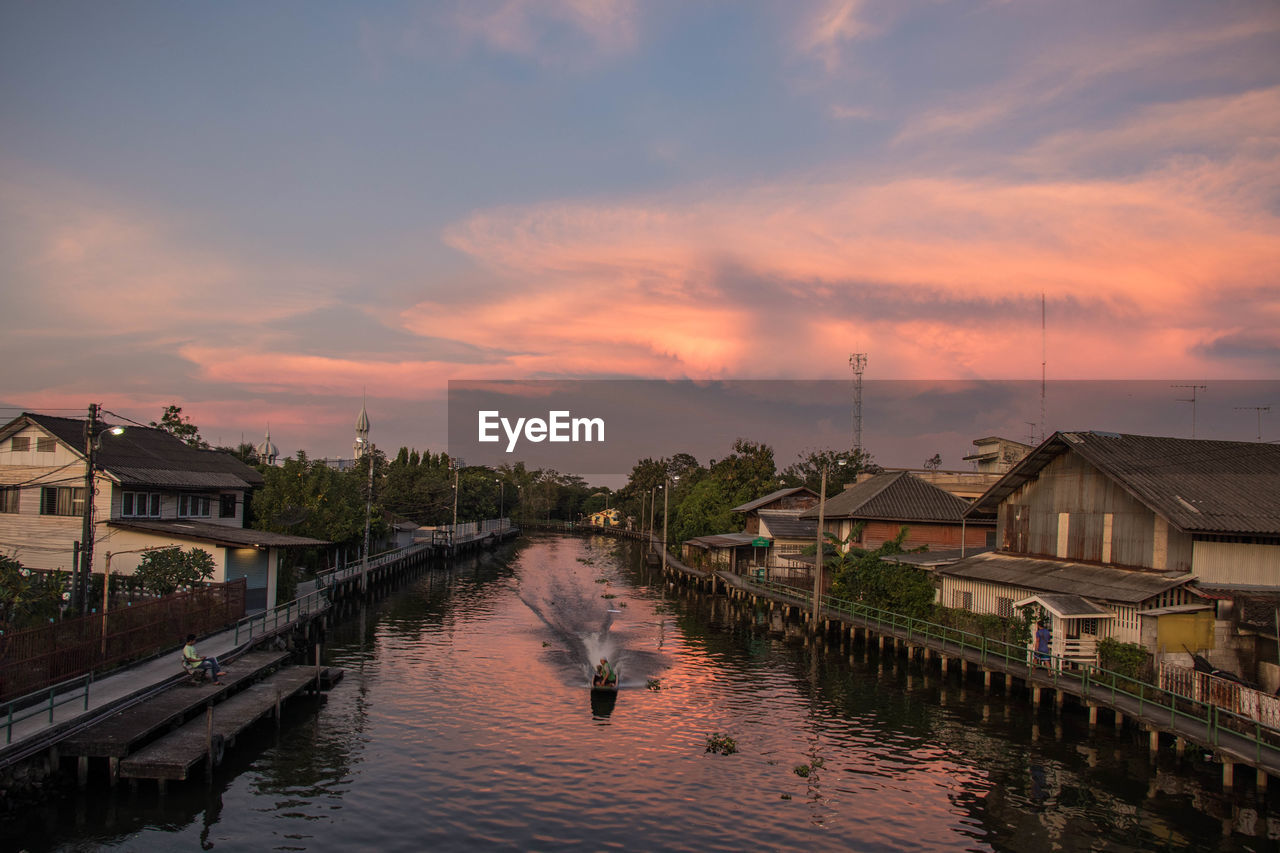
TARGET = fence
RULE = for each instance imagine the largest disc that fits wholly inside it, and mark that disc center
(1230, 695)
(36, 658)
(1225, 716)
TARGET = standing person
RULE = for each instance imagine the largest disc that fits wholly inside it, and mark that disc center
(193, 661)
(1043, 637)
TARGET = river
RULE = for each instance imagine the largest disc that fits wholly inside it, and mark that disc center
(465, 722)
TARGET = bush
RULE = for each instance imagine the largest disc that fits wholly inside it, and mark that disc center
(164, 570)
(1127, 659)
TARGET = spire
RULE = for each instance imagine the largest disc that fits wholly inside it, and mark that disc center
(267, 452)
(362, 432)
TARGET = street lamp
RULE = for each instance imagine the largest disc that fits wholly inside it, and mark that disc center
(666, 494)
(817, 557)
(92, 444)
(501, 488)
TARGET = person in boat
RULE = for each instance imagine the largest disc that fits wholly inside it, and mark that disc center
(195, 662)
(606, 675)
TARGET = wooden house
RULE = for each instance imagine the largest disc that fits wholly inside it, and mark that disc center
(1127, 522)
(774, 534)
(150, 490)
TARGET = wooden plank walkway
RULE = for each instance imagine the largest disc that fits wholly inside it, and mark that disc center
(172, 757)
(123, 732)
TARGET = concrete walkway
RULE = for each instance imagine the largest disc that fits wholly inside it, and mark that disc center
(107, 694)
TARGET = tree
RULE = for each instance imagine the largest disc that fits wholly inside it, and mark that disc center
(864, 575)
(164, 570)
(933, 463)
(174, 423)
(27, 596)
(808, 470)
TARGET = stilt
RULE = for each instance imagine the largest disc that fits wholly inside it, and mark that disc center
(82, 771)
(1093, 715)
(1262, 780)
(1179, 746)
(943, 658)
(1035, 697)
(113, 770)
(1154, 740)
(1119, 718)
(986, 681)
(1059, 697)
(1228, 775)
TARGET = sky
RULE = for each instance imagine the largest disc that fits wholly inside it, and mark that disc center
(271, 214)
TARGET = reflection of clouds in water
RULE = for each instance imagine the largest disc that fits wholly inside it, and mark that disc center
(565, 589)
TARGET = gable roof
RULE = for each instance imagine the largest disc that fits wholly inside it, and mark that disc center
(219, 534)
(789, 525)
(144, 456)
(1195, 484)
(1063, 576)
(771, 497)
(896, 496)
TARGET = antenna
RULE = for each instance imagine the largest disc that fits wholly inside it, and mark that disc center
(1192, 401)
(1043, 361)
(1259, 410)
(1031, 437)
(857, 361)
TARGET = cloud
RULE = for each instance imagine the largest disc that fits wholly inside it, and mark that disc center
(824, 34)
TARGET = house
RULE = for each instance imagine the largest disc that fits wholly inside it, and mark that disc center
(996, 455)
(884, 504)
(150, 490)
(773, 537)
(1127, 523)
(605, 518)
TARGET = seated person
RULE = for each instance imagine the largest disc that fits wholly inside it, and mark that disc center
(193, 662)
(606, 675)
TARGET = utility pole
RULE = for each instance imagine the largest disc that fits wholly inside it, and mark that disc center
(1192, 401)
(80, 583)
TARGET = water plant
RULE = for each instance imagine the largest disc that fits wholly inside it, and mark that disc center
(721, 744)
(653, 684)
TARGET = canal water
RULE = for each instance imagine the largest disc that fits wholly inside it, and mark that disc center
(465, 722)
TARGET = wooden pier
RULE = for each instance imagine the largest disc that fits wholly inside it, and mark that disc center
(206, 736)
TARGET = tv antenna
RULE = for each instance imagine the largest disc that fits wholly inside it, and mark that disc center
(1192, 401)
(1259, 410)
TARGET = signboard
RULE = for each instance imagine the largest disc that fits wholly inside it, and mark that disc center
(760, 542)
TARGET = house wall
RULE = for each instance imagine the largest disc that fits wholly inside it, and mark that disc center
(984, 597)
(1236, 563)
(169, 504)
(43, 541)
(1073, 511)
(876, 533)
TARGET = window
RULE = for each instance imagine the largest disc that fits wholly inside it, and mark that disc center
(1004, 607)
(140, 505)
(61, 500)
(1089, 626)
(8, 499)
(227, 506)
(193, 506)
(20, 443)
(44, 445)
(962, 600)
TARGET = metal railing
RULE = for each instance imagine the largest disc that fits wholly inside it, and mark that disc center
(56, 695)
(1171, 705)
(280, 617)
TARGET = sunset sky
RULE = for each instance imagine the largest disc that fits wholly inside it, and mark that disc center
(263, 211)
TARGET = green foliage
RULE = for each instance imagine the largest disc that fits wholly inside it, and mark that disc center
(704, 506)
(808, 470)
(307, 498)
(721, 744)
(1128, 659)
(865, 576)
(174, 423)
(28, 598)
(1015, 631)
(163, 570)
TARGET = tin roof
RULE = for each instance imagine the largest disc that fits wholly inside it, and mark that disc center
(723, 540)
(789, 525)
(144, 456)
(771, 497)
(1066, 606)
(221, 534)
(896, 496)
(1197, 485)
(1063, 576)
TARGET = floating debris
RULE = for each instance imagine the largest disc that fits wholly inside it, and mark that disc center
(656, 684)
(721, 744)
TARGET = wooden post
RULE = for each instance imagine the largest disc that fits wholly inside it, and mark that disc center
(1228, 775)
(82, 771)
(277, 709)
(113, 770)
(1093, 715)
(208, 742)
(1035, 697)
(317, 668)
(986, 681)
(1262, 781)
(1154, 741)
(1119, 720)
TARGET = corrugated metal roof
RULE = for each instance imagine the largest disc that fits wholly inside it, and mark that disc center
(142, 452)
(1066, 606)
(771, 497)
(221, 534)
(789, 525)
(1104, 582)
(1199, 486)
(897, 496)
(723, 540)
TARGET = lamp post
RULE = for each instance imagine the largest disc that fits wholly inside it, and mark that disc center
(92, 443)
(817, 557)
(501, 488)
(666, 495)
